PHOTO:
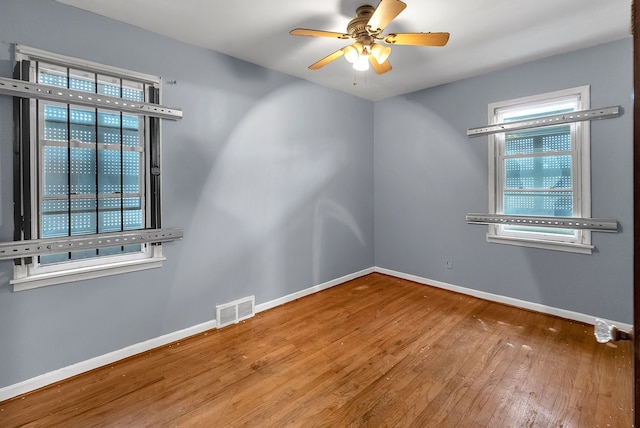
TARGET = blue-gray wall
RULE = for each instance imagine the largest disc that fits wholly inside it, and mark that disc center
(428, 175)
(281, 185)
(270, 176)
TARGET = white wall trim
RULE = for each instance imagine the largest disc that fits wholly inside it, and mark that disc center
(43, 380)
(537, 307)
(100, 361)
(293, 296)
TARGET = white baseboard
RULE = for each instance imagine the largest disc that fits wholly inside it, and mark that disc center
(293, 296)
(563, 313)
(102, 360)
(112, 357)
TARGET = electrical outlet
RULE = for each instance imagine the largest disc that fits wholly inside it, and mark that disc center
(449, 264)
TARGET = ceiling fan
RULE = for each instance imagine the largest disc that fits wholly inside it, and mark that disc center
(366, 29)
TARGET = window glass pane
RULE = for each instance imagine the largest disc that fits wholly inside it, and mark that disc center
(81, 80)
(541, 172)
(83, 171)
(539, 140)
(132, 248)
(558, 141)
(109, 175)
(49, 74)
(120, 214)
(108, 128)
(132, 130)
(132, 214)
(537, 109)
(56, 214)
(83, 125)
(54, 258)
(55, 126)
(109, 120)
(133, 91)
(109, 85)
(131, 177)
(79, 255)
(55, 218)
(554, 204)
(55, 171)
(83, 216)
(110, 132)
(111, 251)
(110, 217)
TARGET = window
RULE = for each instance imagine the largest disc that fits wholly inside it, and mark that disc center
(84, 170)
(541, 171)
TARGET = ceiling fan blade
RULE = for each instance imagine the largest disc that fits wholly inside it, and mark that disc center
(318, 33)
(386, 11)
(327, 59)
(379, 68)
(417, 39)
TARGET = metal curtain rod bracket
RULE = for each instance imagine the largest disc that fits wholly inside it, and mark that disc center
(23, 89)
(37, 247)
(595, 224)
(555, 119)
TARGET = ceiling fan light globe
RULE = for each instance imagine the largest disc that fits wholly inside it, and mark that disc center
(351, 54)
(362, 64)
(380, 53)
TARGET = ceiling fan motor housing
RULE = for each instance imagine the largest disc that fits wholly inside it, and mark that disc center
(357, 27)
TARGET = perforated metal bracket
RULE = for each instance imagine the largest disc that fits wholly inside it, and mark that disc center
(38, 247)
(19, 88)
(556, 119)
(595, 224)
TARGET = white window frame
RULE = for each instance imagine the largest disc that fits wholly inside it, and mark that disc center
(580, 241)
(34, 275)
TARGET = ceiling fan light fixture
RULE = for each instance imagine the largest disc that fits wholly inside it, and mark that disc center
(366, 29)
(362, 64)
(352, 52)
(380, 53)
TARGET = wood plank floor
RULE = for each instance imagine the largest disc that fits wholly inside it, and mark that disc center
(377, 351)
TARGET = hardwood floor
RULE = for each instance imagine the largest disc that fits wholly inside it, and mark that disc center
(377, 351)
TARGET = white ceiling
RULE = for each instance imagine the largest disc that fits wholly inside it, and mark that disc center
(485, 34)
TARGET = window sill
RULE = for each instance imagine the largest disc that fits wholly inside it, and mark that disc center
(23, 281)
(543, 244)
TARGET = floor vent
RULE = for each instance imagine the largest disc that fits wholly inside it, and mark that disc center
(236, 311)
